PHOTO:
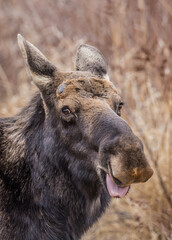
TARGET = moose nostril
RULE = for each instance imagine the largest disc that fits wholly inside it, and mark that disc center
(118, 182)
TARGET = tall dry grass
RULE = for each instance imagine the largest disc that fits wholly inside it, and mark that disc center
(135, 36)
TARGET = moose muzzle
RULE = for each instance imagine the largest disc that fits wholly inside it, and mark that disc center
(123, 154)
(127, 164)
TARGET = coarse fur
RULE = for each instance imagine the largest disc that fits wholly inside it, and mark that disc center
(54, 155)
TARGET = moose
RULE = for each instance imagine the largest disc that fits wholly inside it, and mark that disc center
(67, 153)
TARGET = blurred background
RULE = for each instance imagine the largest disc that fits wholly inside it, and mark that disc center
(135, 36)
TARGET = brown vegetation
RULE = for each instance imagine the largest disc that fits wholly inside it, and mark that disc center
(135, 36)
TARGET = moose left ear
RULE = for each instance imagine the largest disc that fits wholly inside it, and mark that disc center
(40, 69)
(89, 58)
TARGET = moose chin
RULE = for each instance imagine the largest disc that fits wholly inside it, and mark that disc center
(67, 153)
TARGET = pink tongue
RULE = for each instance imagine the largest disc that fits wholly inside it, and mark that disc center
(113, 188)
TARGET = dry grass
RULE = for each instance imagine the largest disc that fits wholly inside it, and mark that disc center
(135, 36)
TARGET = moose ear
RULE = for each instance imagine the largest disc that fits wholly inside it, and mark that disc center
(40, 69)
(89, 58)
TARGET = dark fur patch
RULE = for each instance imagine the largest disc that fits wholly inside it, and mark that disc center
(50, 187)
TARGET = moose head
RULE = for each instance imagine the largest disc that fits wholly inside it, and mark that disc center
(86, 109)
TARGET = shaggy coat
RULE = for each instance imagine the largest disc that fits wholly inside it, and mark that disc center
(67, 153)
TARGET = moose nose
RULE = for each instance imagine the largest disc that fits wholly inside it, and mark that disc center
(124, 177)
(135, 175)
(142, 174)
(127, 161)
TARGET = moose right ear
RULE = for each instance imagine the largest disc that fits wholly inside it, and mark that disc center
(90, 59)
(40, 69)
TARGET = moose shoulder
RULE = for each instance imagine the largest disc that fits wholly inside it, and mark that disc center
(67, 153)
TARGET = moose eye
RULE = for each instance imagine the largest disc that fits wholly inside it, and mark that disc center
(65, 110)
(120, 105)
(119, 108)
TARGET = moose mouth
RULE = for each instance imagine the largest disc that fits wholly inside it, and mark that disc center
(113, 188)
